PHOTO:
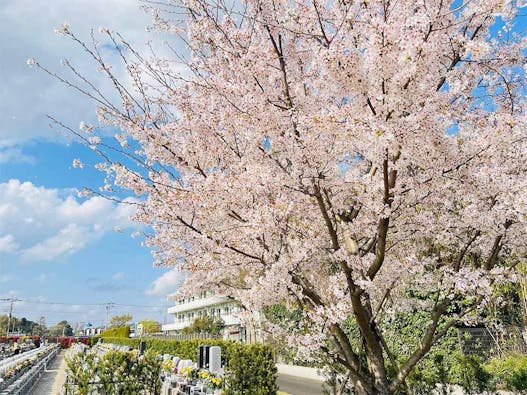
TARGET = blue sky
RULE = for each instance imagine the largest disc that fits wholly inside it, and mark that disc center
(54, 246)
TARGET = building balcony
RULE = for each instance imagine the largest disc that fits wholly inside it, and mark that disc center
(198, 304)
(228, 319)
(174, 326)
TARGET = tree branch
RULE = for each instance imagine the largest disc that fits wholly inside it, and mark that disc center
(325, 215)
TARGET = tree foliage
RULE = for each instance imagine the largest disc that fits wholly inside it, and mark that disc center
(63, 328)
(350, 158)
(150, 326)
(120, 320)
(22, 325)
(205, 324)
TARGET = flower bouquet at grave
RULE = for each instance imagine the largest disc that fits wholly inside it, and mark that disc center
(9, 373)
(189, 373)
(204, 375)
(212, 381)
(215, 383)
(169, 366)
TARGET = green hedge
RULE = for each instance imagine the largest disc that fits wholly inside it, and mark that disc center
(117, 372)
(122, 331)
(186, 349)
(249, 368)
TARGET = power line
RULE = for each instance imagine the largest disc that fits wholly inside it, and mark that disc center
(109, 307)
(62, 303)
(89, 304)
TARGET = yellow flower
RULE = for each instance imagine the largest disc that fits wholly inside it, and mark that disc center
(169, 365)
(187, 372)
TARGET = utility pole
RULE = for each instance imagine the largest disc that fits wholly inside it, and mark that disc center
(12, 302)
(108, 306)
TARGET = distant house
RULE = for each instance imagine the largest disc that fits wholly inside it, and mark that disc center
(92, 331)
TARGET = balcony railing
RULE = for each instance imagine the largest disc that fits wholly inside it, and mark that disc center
(198, 304)
(228, 320)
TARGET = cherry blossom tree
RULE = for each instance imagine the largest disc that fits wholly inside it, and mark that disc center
(340, 157)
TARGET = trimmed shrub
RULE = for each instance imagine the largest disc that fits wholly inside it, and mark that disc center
(250, 371)
(115, 372)
(122, 331)
(186, 349)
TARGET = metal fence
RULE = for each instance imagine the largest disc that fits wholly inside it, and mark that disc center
(190, 336)
(492, 341)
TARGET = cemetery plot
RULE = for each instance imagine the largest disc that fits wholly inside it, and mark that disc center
(16, 368)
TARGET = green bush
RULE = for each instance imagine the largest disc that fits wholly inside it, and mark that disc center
(80, 372)
(250, 369)
(445, 365)
(510, 372)
(468, 372)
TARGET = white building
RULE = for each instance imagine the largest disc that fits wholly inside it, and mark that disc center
(92, 331)
(187, 310)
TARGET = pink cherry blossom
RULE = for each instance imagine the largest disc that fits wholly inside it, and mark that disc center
(332, 156)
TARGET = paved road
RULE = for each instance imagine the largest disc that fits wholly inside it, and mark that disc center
(298, 386)
(46, 384)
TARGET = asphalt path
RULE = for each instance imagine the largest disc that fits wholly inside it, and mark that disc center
(298, 386)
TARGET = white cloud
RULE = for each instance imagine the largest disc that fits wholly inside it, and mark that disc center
(168, 283)
(68, 240)
(8, 243)
(4, 278)
(45, 277)
(27, 31)
(39, 224)
(118, 276)
(14, 155)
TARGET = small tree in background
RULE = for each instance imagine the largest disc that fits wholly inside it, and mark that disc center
(150, 326)
(120, 320)
(205, 324)
(63, 328)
